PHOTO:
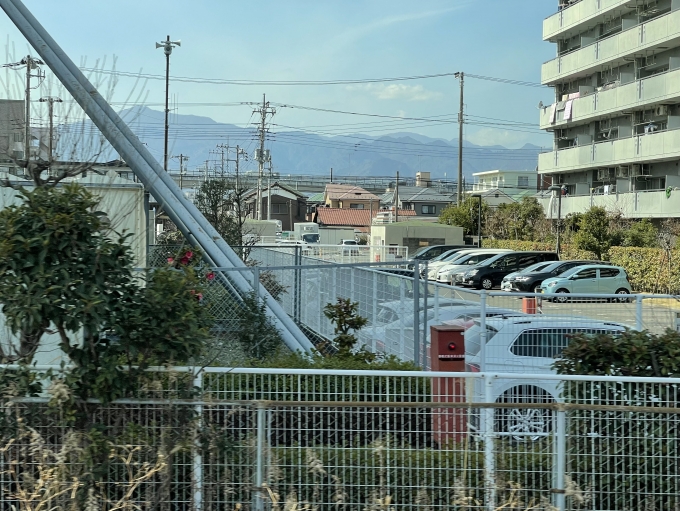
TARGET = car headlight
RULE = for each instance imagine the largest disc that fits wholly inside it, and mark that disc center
(472, 273)
(552, 284)
(522, 279)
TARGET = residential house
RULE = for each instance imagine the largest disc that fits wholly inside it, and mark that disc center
(424, 202)
(288, 205)
(615, 119)
(350, 197)
(511, 182)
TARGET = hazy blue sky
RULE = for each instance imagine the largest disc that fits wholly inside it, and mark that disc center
(319, 40)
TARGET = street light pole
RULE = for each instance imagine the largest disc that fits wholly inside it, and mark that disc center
(167, 46)
(558, 189)
(479, 221)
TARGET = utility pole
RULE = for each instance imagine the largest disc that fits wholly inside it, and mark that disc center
(167, 46)
(207, 167)
(51, 100)
(396, 199)
(260, 155)
(181, 159)
(223, 148)
(269, 192)
(461, 121)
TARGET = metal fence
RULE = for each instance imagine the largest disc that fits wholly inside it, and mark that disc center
(225, 439)
(400, 306)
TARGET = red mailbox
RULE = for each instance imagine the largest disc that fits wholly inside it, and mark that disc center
(447, 354)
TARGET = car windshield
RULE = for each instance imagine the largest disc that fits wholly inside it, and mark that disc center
(310, 238)
(349, 242)
(536, 267)
(444, 255)
(419, 253)
(570, 271)
(472, 338)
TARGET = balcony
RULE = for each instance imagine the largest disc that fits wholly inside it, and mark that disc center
(647, 148)
(641, 204)
(591, 11)
(653, 90)
(661, 31)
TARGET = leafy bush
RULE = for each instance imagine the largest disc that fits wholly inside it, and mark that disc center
(609, 445)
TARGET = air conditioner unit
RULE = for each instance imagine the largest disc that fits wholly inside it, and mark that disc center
(661, 110)
(639, 170)
(622, 172)
(605, 174)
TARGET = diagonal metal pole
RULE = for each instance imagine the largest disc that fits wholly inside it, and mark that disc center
(186, 216)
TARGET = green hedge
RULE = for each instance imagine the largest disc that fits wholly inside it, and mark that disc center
(648, 268)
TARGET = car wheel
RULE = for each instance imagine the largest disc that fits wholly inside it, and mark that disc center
(487, 284)
(624, 292)
(561, 299)
(525, 424)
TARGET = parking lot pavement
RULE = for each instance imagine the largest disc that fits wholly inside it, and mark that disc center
(657, 314)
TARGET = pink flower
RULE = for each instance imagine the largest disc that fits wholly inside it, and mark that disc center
(210, 276)
(189, 254)
(171, 260)
(184, 260)
(199, 296)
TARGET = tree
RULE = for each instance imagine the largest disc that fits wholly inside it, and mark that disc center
(63, 269)
(641, 233)
(521, 220)
(344, 314)
(594, 232)
(465, 215)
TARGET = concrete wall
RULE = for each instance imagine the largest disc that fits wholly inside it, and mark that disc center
(416, 234)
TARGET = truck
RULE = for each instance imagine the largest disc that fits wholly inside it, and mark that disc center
(307, 232)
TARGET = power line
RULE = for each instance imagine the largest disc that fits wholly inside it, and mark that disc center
(219, 81)
(508, 81)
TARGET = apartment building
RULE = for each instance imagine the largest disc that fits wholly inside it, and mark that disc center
(616, 115)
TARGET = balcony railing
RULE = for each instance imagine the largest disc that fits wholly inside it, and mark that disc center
(626, 43)
(640, 148)
(576, 13)
(638, 204)
(658, 88)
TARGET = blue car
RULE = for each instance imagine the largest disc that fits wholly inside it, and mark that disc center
(589, 279)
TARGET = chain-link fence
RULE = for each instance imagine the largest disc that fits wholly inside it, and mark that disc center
(224, 439)
(401, 306)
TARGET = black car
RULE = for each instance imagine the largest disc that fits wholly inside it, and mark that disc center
(429, 253)
(491, 272)
(529, 282)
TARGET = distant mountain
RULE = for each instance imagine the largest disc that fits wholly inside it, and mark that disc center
(297, 152)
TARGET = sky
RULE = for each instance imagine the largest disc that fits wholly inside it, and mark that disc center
(307, 40)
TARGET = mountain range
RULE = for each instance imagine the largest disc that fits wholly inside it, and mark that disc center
(316, 152)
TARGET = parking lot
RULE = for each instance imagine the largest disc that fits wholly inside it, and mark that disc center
(658, 314)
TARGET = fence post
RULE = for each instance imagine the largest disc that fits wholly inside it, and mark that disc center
(638, 313)
(436, 303)
(297, 297)
(374, 304)
(260, 452)
(560, 461)
(489, 447)
(197, 462)
(423, 342)
(482, 327)
(416, 313)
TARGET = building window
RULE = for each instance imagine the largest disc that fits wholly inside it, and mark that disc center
(523, 181)
(279, 209)
(355, 206)
(428, 209)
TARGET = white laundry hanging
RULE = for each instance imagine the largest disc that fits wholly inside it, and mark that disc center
(567, 110)
(553, 111)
